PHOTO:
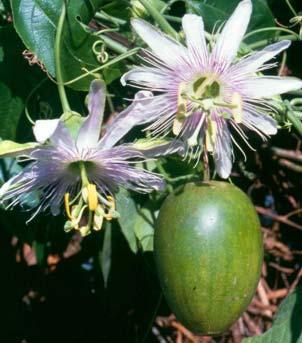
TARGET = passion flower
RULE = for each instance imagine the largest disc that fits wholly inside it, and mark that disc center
(83, 170)
(202, 91)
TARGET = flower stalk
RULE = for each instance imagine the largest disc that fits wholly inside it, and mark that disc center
(160, 19)
(57, 51)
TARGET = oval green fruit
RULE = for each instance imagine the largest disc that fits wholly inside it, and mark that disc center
(208, 252)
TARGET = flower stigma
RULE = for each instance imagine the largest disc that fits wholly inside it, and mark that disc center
(204, 93)
(89, 202)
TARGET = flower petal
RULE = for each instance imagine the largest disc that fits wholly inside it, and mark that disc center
(44, 129)
(114, 168)
(89, 133)
(223, 151)
(268, 86)
(164, 47)
(194, 30)
(159, 147)
(146, 77)
(232, 34)
(252, 63)
(133, 115)
(264, 123)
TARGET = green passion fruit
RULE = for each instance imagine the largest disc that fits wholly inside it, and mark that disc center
(208, 253)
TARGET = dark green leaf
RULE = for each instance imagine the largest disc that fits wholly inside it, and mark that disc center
(287, 326)
(36, 21)
(127, 210)
(105, 255)
(11, 109)
(215, 12)
(144, 230)
(136, 223)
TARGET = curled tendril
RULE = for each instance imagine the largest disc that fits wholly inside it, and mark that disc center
(294, 21)
(99, 49)
(297, 20)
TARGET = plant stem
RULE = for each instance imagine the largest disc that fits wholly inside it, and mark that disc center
(264, 42)
(160, 19)
(278, 29)
(291, 7)
(60, 82)
(295, 121)
(168, 5)
(84, 177)
(111, 62)
(102, 15)
(113, 44)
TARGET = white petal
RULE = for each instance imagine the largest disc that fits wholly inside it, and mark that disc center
(268, 86)
(167, 49)
(232, 34)
(223, 151)
(133, 115)
(44, 129)
(53, 130)
(89, 132)
(252, 63)
(264, 123)
(194, 30)
(148, 77)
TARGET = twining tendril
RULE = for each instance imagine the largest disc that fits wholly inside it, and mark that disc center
(98, 48)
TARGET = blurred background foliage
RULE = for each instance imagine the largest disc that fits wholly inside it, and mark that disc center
(58, 287)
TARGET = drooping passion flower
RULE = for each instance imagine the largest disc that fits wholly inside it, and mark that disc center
(82, 170)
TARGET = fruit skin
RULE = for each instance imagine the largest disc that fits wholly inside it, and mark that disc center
(208, 251)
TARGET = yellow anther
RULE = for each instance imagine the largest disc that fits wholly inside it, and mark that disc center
(67, 206)
(108, 216)
(177, 125)
(181, 102)
(112, 202)
(92, 197)
(84, 230)
(237, 110)
(97, 222)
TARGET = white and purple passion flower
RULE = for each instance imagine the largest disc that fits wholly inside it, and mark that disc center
(80, 170)
(203, 90)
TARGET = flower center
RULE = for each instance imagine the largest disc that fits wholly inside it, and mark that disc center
(88, 201)
(204, 93)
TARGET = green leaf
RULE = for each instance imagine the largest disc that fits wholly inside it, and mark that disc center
(136, 223)
(11, 109)
(11, 149)
(287, 326)
(36, 21)
(144, 230)
(105, 255)
(217, 11)
(127, 210)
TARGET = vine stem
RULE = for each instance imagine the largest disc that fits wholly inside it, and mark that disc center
(60, 82)
(159, 18)
(291, 7)
(266, 29)
(264, 42)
